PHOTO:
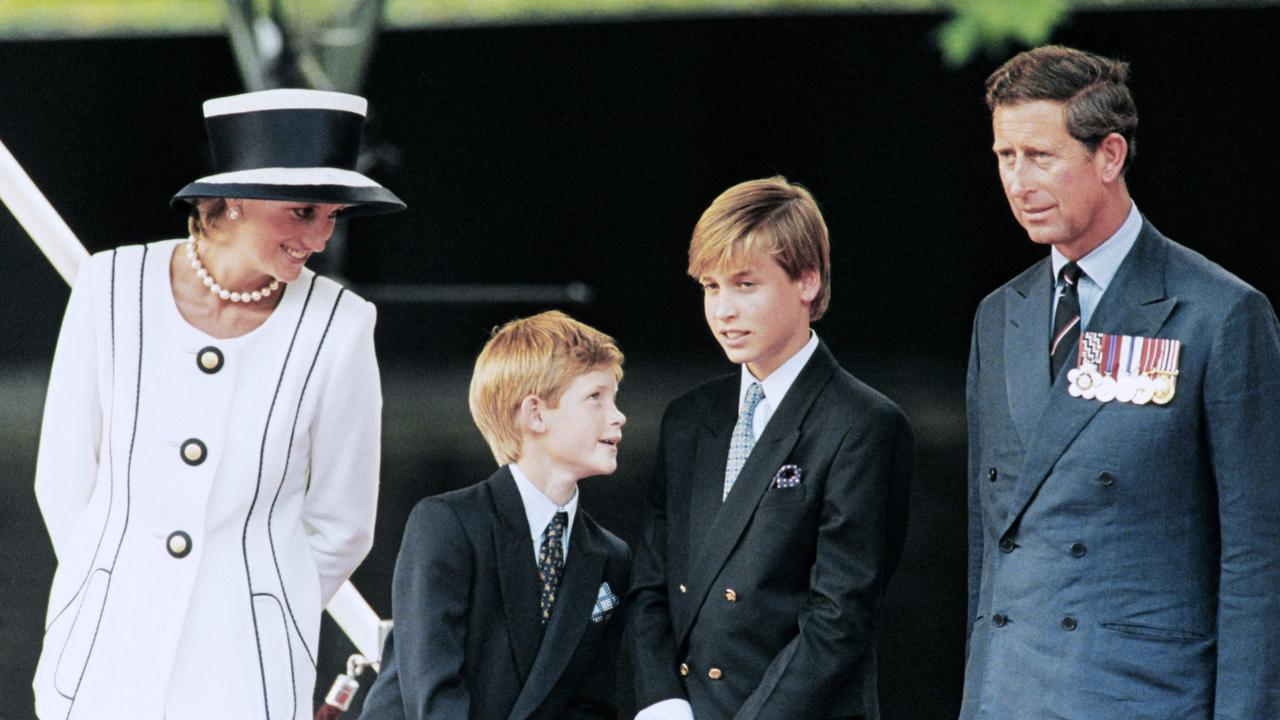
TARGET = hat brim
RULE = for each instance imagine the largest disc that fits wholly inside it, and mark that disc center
(363, 195)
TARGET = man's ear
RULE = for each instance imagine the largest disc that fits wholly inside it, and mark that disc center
(530, 414)
(1110, 156)
(809, 284)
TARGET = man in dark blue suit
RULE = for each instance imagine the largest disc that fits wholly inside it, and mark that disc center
(1124, 439)
(778, 505)
(506, 594)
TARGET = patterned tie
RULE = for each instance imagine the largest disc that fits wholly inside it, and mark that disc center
(1066, 320)
(743, 438)
(551, 561)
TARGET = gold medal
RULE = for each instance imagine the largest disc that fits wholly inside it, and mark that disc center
(1163, 389)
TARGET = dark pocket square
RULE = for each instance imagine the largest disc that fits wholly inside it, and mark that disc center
(788, 476)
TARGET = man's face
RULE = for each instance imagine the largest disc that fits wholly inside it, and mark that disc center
(758, 313)
(1054, 184)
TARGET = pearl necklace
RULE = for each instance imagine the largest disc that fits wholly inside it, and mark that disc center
(194, 256)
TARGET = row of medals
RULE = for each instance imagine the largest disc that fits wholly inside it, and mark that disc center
(1155, 386)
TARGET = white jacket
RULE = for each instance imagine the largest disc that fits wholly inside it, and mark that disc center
(191, 575)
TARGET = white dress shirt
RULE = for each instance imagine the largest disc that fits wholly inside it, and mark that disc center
(776, 385)
(1099, 266)
(539, 509)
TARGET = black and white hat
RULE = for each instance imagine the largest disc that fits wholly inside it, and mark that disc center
(298, 145)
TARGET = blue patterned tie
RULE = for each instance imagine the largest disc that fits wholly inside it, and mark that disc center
(551, 561)
(743, 437)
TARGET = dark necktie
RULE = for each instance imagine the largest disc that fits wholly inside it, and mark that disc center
(551, 561)
(1066, 320)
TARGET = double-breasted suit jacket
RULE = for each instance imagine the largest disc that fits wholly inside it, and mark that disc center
(1125, 558)
(205, 497)
(469, 643)
(764, 605)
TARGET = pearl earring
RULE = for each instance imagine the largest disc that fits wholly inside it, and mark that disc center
(234, 213)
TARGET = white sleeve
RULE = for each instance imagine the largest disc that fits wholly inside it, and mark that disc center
(673, 709)
(71, 432)
(346, 445)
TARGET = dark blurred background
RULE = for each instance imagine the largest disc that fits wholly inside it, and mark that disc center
(555, 153)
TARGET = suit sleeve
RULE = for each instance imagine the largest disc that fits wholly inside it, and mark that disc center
(342, 496)
(651, 639)
(863, 515)
(430, 595)
(972, 407)
(71, 431)
(1242, 421)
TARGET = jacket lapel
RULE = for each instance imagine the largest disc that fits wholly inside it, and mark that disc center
(1028, 307)
(575, 601)
(769, 453)
(1134, 304)
(517, 571)
(711, 454)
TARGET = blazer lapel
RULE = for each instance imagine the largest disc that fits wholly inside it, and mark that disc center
(711, 454)
(1134, 304)
(769, 453)
(517, 571)
(1028, 307)
(575, 601)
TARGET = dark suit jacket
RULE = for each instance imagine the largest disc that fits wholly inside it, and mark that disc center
(468, 642)
(1125, 559)
(769, 600)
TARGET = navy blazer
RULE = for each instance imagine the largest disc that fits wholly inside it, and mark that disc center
(468, 642)
(1125, 559)
(765, 605)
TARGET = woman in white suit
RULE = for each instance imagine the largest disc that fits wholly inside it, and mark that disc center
(208, 464)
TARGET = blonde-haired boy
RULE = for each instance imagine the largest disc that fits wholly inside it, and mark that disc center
(505, 593)
(778, 506)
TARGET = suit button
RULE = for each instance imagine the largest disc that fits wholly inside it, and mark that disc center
(1068, 623)
(684, 670)
(179, 544)
(715, 674)
(1006, 545)
(730, 595)
(999, 619)
(992, 474)
(1078, 549)
(193, 452)
(1106, 478)
(209, 360)
(683, 589)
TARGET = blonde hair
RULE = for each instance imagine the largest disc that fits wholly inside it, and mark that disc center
(539, 355)
(769, 216)
(205, 213)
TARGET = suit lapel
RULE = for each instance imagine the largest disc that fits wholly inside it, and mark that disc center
(517, 571)
(575, 601)
(1028, 307)
(711, 454)
(769, 453)
(1134, 304)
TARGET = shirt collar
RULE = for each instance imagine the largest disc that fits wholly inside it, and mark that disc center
(1101, 264)
(538, 508)
(779, 381)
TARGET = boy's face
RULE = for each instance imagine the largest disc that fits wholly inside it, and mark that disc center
(584, 430)
(758, 314)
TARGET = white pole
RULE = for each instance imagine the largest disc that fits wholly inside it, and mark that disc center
(64, 250)
(37, 216)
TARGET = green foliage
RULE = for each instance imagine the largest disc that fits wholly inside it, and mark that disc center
(989, 25)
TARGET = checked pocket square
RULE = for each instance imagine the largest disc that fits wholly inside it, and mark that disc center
(788, 476)
(606, 601)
